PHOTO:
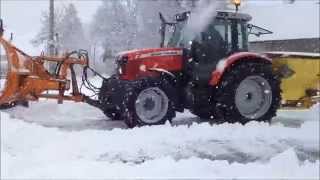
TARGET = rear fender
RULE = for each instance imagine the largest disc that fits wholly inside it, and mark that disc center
(227, 63)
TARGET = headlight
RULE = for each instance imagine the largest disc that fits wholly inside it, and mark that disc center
(121, 64)
(119, 70)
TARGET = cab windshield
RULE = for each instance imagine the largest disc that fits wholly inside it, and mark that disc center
(176, 35)
(230, 34)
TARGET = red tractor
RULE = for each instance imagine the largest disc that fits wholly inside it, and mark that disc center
(211, 73)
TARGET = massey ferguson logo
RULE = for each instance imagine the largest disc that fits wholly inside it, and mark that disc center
(161, 53)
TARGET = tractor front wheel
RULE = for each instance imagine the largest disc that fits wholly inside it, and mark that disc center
(149, 103)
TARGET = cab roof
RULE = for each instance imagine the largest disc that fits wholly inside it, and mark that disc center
(233, 15)
(220, 15)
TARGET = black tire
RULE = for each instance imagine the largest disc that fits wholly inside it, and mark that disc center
(113, 114)
(203, 113)
(7, 106)
(131, 116)
(14, 104)
(226, 109)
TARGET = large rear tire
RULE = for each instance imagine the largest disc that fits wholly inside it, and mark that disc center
(248, 92)
(149, 103)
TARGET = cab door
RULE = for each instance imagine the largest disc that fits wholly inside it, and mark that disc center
(208, 49)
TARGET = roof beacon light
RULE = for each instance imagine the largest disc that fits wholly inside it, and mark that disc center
(236, 3)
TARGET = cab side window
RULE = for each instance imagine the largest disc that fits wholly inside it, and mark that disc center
(214, 41)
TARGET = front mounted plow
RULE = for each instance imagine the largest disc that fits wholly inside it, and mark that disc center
(27, 79)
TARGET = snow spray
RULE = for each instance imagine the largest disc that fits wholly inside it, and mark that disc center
(200, 18)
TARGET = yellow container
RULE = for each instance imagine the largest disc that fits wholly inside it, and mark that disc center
(300, 76)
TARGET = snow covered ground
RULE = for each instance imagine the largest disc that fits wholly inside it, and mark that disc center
(77, 141)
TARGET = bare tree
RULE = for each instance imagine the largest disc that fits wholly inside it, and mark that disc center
(115, 26)
(68, 29)
(42, 37)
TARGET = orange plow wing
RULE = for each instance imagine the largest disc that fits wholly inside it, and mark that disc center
(27, 79)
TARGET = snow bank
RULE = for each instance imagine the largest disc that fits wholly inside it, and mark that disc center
(29, 150)
(298, 116)
(69, 115)
(284, 165)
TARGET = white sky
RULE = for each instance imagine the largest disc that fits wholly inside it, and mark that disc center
(286, 21)
(22, 17)
(298, 20)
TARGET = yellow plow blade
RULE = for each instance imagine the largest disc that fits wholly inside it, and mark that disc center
(300, 73)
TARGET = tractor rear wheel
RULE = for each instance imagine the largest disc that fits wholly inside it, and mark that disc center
(149, 103)
(248, 91)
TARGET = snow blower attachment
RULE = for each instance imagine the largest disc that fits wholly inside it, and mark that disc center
(24, 78)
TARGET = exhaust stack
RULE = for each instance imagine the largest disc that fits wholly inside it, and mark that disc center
(1, 27)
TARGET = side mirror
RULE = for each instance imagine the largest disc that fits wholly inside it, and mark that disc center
(258, 31)
(162, 29)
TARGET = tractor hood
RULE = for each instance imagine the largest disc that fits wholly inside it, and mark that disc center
(141, 63)
(151, 52)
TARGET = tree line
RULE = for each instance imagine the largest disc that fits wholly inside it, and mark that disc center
(117, 26)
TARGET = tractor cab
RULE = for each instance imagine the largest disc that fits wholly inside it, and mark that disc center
(225, 34)
(229, 30)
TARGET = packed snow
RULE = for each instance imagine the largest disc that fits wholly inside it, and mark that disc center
(73, 140)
